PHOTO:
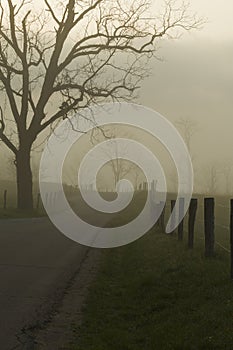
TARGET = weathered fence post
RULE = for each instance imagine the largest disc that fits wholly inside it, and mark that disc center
(181, 224)
(162, 216)
(173, 202)
(231, 237)
(191, 222)
(209, 226)
(5, 200)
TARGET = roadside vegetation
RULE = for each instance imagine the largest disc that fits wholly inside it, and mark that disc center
(19, 214)
(156, 294)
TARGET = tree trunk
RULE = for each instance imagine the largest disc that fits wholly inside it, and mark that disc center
(24, 179)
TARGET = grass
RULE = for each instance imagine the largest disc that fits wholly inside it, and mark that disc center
(156, 294)
(12, 213)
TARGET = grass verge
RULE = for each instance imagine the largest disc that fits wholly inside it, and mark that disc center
(156, 294)
(19, 214)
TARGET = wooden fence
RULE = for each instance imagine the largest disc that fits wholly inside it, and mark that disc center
(209, 223)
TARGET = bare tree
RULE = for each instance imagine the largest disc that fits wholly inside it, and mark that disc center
(188, 128)
(214, 175)
(70, 55)
(115, 154)
(137, 175)
(120, 167)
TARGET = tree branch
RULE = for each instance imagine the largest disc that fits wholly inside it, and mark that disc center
(3, 137)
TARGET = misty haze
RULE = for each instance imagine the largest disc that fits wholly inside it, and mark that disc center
(116, 174)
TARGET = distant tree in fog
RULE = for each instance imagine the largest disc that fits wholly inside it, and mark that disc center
(188, 129)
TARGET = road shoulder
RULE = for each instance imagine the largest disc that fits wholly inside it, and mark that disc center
(58, 332)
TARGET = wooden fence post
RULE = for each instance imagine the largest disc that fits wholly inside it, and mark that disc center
(162, 216)
(191, 222)
(173, 203)
(5, 200)
(209, 226)
(231, 237)
(181, 224)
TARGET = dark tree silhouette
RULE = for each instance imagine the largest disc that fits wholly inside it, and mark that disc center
(70, 55)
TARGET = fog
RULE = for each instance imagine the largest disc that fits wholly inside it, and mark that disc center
(192, 81)
(195, 82)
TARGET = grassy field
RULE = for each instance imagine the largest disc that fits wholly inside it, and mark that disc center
(155, 294)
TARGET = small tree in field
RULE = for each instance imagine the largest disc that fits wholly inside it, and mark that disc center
(118, 165)
(68, 54)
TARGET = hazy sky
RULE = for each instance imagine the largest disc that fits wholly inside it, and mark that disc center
(195, 80)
